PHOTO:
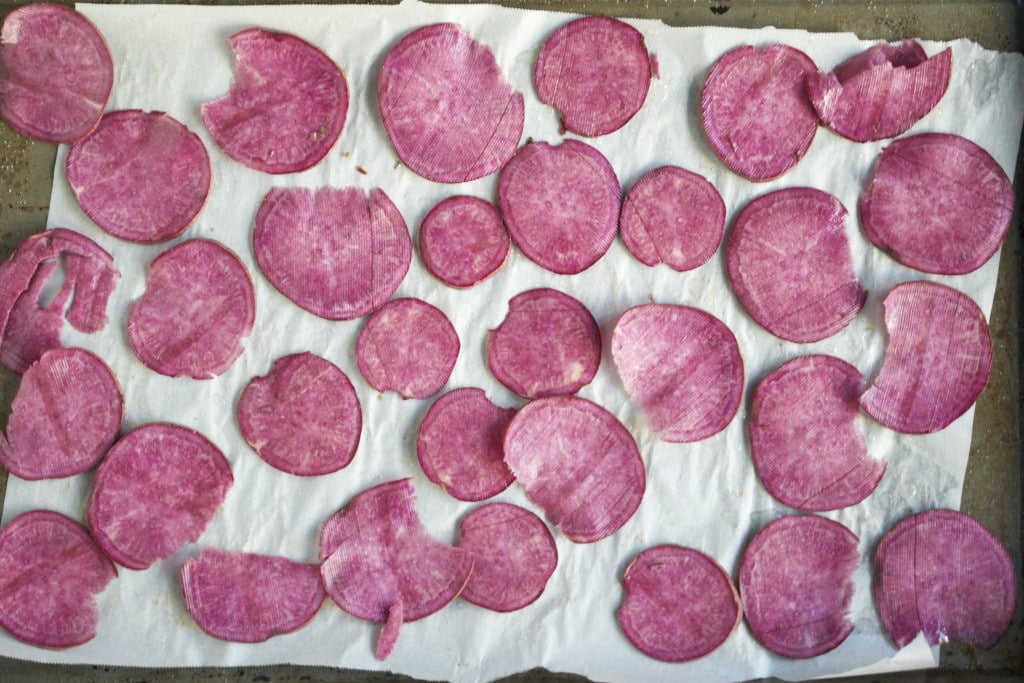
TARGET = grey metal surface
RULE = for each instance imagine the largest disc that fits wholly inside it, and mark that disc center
(992, 491)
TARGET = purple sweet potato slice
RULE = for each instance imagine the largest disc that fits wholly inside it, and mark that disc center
(755, 110)
(804, 436)
(408, 346)
(560, 204)
(790, 265)
(387, 639)
(937, 360)
(578, 463)
(337, 253)
(380, 564)
(140, 176)
(50, 574)
(463, 241)
(30, 326)
(679, 605)
(448, 110)
(548, 345)
(942, 573)
(88, 268)
(796, 582)
(34, 324)
(937, 203)
(248, 598)
(286, 107)
(198, 306)
(459, 444)
(56, 73)
(92, 273)
(155, 491)
(881, 92)
(595, 71)
(303, 417)
(906, 54)
(672, 216)
(66, 414)
(682, 366)
(514, 556)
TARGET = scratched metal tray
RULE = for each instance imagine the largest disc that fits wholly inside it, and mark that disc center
(992, 491)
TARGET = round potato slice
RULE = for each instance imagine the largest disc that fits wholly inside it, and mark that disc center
(448, 110)
(50, 574)
(804, 435)
(514, 555)
(156, 490)
(140, 176)
(409, 347)
(248, 598)
(578, 463)
(937, 360)
(303, 417)
(938, 203)
(796, 582)
(198, 306)
(942, 573)
(66, 414)
(680, 605)
(56, 73)
(790, 265)
(595, 71)
(548, 345)
(755, 110)
(286, 107)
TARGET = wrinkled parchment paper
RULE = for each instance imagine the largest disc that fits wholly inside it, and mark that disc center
(704, 495)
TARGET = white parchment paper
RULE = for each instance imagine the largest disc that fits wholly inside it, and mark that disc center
(704, 495)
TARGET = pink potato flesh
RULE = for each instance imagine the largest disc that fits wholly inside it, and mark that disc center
(679, 604)
(682, 366)
(155, 491)
(34, 324)
(672, 216)
(140, 176)
(50, 574)
(578, 463)
(337, 253)
(56, 73)
(881, 92)
(448, 110)
(30, 325)
(463, 241)
(790, 265)
(937, 203)
(380, 564)
(514, 556)
(804, 435)
(942, 573)
(548, 345)
(248, 598)
(459, 444)
(303, 417)
(937, 360)
(198, 306)
(387, 639)
(66, 414)
(408, 346)
(755, 111)
(286, 107)
(560, 204)
(595, 71)
(796, 582)
(906, 54)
